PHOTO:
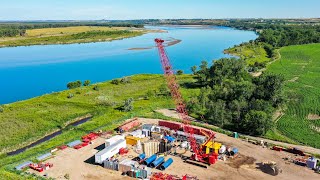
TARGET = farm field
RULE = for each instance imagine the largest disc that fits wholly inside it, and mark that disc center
(69, 35)
(300, 65)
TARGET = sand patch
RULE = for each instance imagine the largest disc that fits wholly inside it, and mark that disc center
(315, 128)
(256, 74)
(293, 79)
(313, 117)
(168, 42)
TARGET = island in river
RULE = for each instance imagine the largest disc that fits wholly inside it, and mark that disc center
(71, 35)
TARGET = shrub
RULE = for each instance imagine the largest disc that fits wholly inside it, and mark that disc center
(179, 72)
(128, 105)
(96, 88)
(1, 109)
(75, 84)
(70, 95)
(115, 81)
(86, 83)
(105, 101)
(125, 80)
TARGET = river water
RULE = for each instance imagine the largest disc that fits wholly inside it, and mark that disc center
(27, 72)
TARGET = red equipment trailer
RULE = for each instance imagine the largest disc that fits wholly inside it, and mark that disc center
(198, 155)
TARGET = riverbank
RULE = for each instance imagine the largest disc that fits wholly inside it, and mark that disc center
(32, 119)
(71, 35)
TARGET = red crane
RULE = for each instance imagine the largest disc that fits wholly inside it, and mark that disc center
(198, 154)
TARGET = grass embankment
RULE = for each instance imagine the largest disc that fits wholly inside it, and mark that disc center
(70, 35)
(300, 66)
(251, 53)
(31, 119)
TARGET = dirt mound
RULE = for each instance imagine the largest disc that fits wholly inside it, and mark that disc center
(293, 79)
(240, 160)
(313, 116)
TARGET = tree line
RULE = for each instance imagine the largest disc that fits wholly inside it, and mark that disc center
(232, 99)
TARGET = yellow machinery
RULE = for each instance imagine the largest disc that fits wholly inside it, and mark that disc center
(212, 146)
(132, 140)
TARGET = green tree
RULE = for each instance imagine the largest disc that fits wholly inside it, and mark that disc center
(256, 123)
(179, 72)
(86, 83)
(115, 81)
(1, 109)
(194, 70)
(75, 84)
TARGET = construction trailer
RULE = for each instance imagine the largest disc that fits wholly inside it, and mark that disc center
(110, 151)
(113, 140)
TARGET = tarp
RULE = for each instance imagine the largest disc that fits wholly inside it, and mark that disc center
(74, 143)
(44, 156)
(23, 165)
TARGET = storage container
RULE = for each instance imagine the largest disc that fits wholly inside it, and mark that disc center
(127, 165)
(113, 165)
(110, 151)
(132, 140)
(171, 125)
(137, 133)
(146, 132)
(113, 140)
(129, 125)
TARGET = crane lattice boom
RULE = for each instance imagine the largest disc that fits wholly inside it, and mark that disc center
(176, 95)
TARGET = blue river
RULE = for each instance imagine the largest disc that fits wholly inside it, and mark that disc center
(31, 71)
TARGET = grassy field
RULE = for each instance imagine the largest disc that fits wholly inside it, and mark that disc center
(69, 35)
(251, 53)
(300, 66)
(31, 119)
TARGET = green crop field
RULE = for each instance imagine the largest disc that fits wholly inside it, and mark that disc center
(300, 66)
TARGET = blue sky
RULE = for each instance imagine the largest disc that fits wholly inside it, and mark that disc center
(159, 9)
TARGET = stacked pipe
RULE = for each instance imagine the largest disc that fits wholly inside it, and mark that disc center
(166, 164)
(157, 162)
(150, 159)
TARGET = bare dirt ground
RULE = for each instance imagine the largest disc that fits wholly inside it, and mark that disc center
(78, 163)
(313, 116)
(172, 113)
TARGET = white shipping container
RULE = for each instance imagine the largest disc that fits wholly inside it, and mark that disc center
(110, 151)
(137, 133)
(113, 140)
